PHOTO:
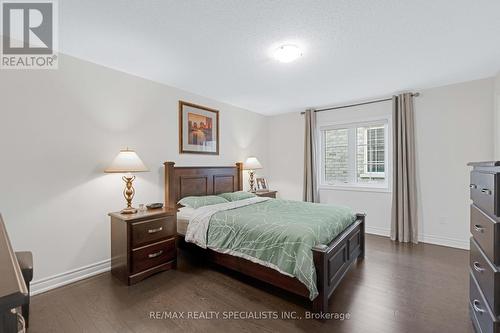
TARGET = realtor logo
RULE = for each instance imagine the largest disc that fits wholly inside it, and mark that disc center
(29, 35)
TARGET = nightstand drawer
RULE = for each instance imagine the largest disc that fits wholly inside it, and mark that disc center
(150, 231)
(153, 255)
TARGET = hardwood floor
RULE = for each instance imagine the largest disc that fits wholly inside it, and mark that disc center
(397, 288)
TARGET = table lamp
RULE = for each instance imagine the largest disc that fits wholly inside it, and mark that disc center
(127, 162)
(251, 164)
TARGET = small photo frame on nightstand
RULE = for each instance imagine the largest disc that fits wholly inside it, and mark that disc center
(262, 185)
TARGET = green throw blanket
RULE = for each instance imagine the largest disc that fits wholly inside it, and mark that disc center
(275, 233)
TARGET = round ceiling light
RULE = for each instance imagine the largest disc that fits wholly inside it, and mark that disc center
(287, 53)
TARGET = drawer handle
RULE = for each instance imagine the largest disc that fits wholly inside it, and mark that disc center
(486, 191)
(478, 267)
(478, 228)
(476, 307)
(154, 231)
(473, 186)
(154, 255)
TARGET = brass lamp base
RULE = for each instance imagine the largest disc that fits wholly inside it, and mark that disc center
(128, 193)
(128, 210)
(251, 180)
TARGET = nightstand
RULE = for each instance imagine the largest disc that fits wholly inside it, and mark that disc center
(268, 194)
(142, 244)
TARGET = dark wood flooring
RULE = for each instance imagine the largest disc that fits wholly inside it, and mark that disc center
(397, 288)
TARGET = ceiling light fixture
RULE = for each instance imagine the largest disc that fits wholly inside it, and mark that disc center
(287, 53)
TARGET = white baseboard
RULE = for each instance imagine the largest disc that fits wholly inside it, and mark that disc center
(429, 239)
(378, 231)
(444, 241)
(62, 279)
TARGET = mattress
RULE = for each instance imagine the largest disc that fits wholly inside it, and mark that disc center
(183, 216)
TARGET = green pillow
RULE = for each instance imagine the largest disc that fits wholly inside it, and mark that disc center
(206, 200)
(235, 196)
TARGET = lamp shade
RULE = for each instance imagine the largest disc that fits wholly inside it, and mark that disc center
(127, 161)
(252, 163)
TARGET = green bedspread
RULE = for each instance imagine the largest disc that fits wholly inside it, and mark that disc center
(279, 234)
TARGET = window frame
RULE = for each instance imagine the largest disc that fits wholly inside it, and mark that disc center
(352, 184)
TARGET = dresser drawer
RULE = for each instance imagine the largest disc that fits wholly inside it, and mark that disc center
(146, 232)
(480, 311)
(486, 233)
(487, 276)
(153, 255)
(482, 191)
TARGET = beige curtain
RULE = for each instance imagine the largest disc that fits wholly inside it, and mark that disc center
(404, 191)
(311, 192)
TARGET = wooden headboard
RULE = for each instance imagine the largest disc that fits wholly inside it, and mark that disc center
(181, 182)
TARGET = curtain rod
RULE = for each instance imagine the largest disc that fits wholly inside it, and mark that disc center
(358, 104)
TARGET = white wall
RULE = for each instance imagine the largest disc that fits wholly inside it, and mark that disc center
(286, 147)
(497, 116)
(58, 131)
(454, 125)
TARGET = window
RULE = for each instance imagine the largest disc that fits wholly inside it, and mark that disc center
(355, 155)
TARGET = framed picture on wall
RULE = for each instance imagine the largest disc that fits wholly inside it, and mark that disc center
(198, 129)
(262, 184)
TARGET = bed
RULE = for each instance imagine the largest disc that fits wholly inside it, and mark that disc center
(331, 261)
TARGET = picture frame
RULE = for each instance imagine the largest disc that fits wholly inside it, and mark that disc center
(198, 129)
(262, 184)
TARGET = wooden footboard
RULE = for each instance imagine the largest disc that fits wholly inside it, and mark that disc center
(333, 261)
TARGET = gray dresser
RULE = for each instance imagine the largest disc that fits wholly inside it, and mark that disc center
(484, 300)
